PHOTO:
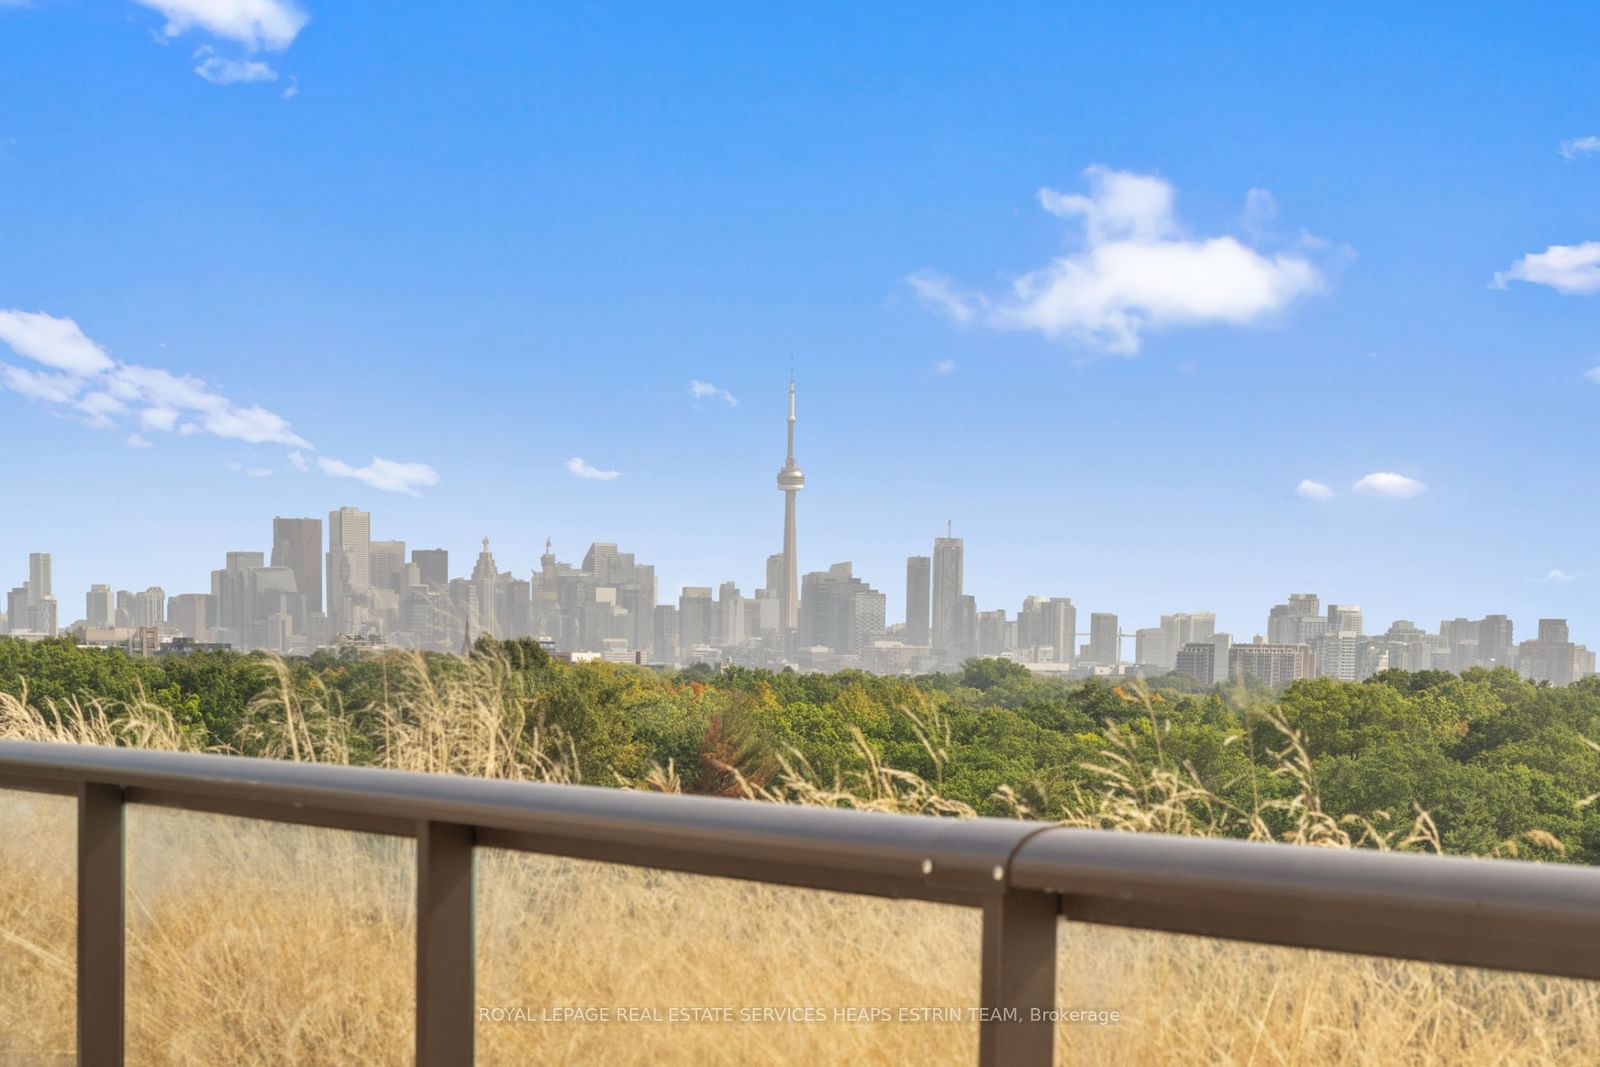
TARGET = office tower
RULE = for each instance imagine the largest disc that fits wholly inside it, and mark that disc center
(297, 544)
(966, 627)
(1297, 621)
(996, 634)
(730, 615)
(919, 577)
(1552, 657)
(186, 613)
(1149, 647)
(1495, 645)
(434, 565)
(1269, 663)
(1344, 619)
(841, 612)
(1058, 629)
(1104, 642)
(696, 614)
(386, 564)
(664, 648)
(233, 598)
(39, 576)
(484, 580)
(150, 607)
(100, 608)
(946, 595)
(790, 482)
(349, 568)
(1180, 629)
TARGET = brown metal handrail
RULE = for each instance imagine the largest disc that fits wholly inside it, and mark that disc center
(1482, 913)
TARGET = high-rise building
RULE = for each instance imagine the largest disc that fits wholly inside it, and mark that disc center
(696, 619)
(100, 608)
(839, 611)
(996, 634)
(39, 576)
(186, 613)
(349, 568)
(1105, 643)
(946, 596)
(918, 599)
(233, 599)
(1058, 629)
(386, 564)
(1150, 647)
(665, 629)
(1344, 619)
(1269, 663)
(730, 615)
(790, 482)
(1197, 659)
(150, 607)
(297, 544)
(433, 564)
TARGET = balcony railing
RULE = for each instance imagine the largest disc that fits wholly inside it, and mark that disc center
(1024, 876)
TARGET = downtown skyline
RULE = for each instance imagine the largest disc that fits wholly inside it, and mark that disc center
(313, 592)
(566, 317)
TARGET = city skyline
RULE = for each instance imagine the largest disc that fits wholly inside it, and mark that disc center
(366, 590)
(568, 317)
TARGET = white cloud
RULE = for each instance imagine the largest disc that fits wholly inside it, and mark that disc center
(298, 461)
(939, 292)
(1593, 374)
(138, 440)
(581, 469)
(944, 366)
(1137, 271)
(1260, 210)
(1388, 483)
(250, 472)
(703, 390)
(46, 388)
(1560, 576)
(1311, 490)
(57, 343)
(1571, 269)
(1574, 147)
(104, 391)
(386, 474)
(292, 90)
(220, 70)
(255, 24)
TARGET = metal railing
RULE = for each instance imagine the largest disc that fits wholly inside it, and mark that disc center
(1024, 876)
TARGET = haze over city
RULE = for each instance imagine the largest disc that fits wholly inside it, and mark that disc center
(1356, 357)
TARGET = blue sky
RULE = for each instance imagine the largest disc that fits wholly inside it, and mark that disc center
(1015, 254)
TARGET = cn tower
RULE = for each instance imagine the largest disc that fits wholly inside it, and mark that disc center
(790, 482)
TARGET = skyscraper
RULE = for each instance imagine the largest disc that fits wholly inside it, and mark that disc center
(349, 568)
(946, 597)
(1104, 643)
(297, 544)
(434, 565)
(100, 609)
(918, 588)
(790, 482)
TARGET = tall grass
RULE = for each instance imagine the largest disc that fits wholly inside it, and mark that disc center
(261, 943)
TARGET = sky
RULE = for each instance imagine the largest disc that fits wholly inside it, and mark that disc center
(1181, 309)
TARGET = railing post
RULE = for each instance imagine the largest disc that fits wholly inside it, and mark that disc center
(1019, 980)
(100, 925)
(446, 961)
